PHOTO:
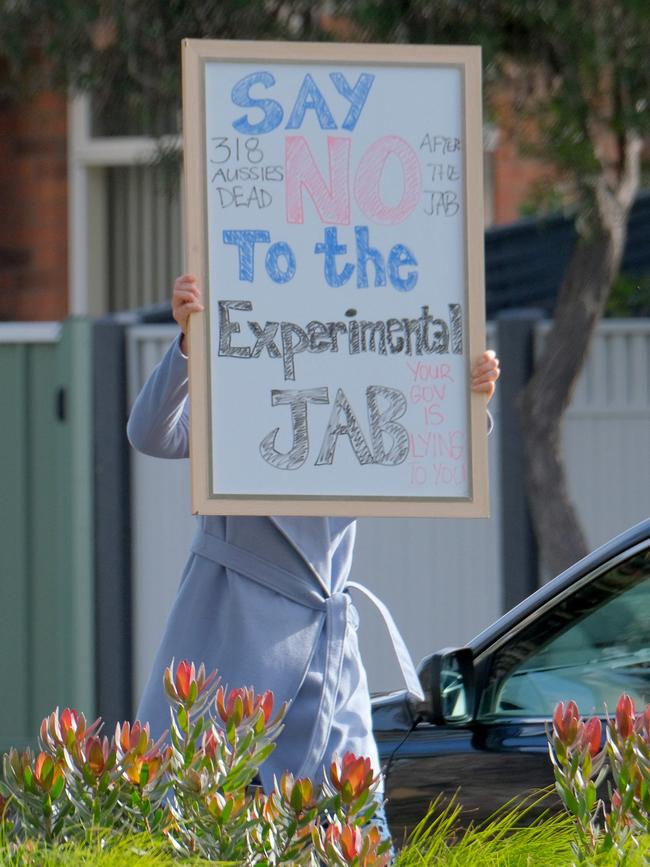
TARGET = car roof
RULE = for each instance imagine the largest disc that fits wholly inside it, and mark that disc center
(619, 544)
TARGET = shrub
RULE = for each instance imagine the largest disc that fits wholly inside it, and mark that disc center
(582, 762)
(194, 793)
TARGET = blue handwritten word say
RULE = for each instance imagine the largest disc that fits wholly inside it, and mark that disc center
(309, 98)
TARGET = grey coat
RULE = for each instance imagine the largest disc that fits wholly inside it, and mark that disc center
(263, 600)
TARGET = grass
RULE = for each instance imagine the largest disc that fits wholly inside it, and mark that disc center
(507, 839)
(98, 850)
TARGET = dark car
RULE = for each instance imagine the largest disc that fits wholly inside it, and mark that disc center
(481, 729)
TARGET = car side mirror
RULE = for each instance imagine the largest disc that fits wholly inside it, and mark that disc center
(448, 683)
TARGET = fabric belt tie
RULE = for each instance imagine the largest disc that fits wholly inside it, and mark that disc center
(335, 607)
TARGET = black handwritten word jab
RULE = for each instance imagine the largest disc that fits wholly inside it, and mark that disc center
(424, 335)
(342, 422)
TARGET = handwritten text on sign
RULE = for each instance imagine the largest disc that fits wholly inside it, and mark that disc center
(337, 279)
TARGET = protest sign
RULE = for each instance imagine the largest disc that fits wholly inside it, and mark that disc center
(334, 221)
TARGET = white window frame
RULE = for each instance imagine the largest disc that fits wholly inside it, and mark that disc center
(88, 159)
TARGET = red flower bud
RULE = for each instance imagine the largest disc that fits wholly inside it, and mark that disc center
(625, 716)
(592, 736)
(242, 703)
(352, 776)
(210, 742)
(188, 683)
(132, 737)
(184, 676)
(46, 772)
(348, 840)
(566, 722)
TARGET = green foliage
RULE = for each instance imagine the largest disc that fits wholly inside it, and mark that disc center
(604, 834)
(509, 837)
(192, 798)
(86, 799)
(570, 81)
(630, 296)
(126, 52)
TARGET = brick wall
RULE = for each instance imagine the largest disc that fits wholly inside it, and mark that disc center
(34, 209)
(514, 178)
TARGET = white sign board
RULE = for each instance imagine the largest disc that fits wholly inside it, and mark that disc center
(334, 212)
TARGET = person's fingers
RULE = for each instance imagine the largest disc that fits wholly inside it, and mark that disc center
(193, 307)
(486, 388)
(487, 359)
(186, 299)
(192, 288)
(483, 386)
(186, 289)
(182, 295)
(485, 373)
(490, 375)
(187, 278)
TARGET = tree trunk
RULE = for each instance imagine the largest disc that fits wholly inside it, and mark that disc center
(583, 295)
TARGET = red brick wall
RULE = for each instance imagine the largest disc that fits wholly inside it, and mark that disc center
(34, 209)
(514, 178)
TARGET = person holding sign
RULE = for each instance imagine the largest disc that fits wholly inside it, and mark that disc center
(265, 600)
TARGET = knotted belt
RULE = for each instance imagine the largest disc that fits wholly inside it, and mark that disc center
(335, 607)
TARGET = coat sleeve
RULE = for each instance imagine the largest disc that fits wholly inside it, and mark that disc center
(158, 424)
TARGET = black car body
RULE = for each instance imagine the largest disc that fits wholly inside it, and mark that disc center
(481, 730)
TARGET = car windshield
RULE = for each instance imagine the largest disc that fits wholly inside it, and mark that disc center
(590, 647)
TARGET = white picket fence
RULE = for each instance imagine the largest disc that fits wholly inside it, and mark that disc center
(440, 578)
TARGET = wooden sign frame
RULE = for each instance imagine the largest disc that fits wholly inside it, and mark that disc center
(196, 54)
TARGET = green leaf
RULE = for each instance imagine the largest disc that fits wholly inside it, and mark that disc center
(590, 796)
(227, 810)
(58, 787)
(197, 728)
(188, 755)
(144, 775)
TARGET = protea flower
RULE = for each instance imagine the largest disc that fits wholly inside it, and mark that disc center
(48, 775)
(352, 776)
(242, 703)
(132, 738)
(347, 840)
(210, 742)
(642, 724)
(142, 770)
(232, 804)
(65, 729)
(566, 722)
(625, 716)
(188, 684)
(591, 736)
(99, 756)
(299, 793)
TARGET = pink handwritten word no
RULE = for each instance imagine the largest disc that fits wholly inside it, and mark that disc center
(332, 200)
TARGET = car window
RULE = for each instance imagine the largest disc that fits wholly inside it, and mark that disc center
(590, 647)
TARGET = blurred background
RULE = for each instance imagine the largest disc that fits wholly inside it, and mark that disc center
(93, 537)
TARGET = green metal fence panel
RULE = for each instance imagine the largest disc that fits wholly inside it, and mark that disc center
(14, 590)
(46, 515)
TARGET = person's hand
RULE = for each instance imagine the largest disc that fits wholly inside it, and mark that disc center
(186, 299)
(485, 373)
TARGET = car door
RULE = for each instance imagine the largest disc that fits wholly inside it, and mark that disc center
(589, 643)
